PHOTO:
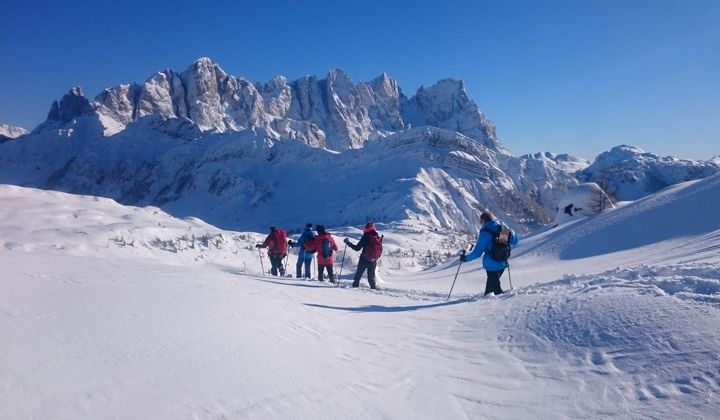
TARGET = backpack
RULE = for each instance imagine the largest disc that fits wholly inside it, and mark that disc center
(309, 243)
(280, 246)
(373, 248)
(500, 248)
(326, 248)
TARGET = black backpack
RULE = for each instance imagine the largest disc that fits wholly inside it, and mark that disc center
(500, 248)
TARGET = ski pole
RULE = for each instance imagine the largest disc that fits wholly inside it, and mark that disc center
(261, 262)
(458, 271)
(341, 265)
(456, 276)
(510, 277)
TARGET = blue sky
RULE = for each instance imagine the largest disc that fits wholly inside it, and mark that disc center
(573, 77)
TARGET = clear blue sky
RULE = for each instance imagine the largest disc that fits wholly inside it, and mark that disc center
(570, 76)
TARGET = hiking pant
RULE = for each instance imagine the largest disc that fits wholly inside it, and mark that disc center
(361, 267)
(493, 282)
(329, 268)
(304, 259)
(276, 261)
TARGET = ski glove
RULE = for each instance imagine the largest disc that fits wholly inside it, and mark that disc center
(346, 240)
(463, 258)
(290, 242)
(258, 245)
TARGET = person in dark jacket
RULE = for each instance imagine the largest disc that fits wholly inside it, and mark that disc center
(277, 249)
(324, 262)
(304, 259)
(494, 269)
(371, 246)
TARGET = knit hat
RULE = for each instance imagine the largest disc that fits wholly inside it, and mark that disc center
(368, 227)
(308, 225)
(320, 229)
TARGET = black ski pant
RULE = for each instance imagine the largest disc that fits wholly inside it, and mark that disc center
(329, 269)
(493, 282)
(276, 261)
(361, 267)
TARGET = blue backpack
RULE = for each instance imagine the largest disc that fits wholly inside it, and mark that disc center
(326, 248)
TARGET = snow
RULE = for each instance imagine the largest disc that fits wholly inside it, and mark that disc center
(582, 201)
(110, 311)
(12, 132)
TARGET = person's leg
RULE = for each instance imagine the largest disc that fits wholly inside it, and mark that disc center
(371, 274)
(362, 265)
(331, 275)
(493, 282)
(308, 267)
(498, 290)
(299, 264)
(274, 264)
(281, 266)
(321, 268)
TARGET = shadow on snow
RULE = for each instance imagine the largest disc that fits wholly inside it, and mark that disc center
(383, 308)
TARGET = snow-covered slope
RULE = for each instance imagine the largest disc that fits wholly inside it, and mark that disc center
(582, 201)
(629, 173)
(98, 327)
(246, 180)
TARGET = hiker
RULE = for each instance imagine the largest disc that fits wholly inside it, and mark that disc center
(277, 249)
(325, 246)
(487, 238)
(371, 246)
(303, 257)
(310, 250)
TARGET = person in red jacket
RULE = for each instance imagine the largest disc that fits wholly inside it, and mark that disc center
(371, 246)
(325, 246)
(276, 244)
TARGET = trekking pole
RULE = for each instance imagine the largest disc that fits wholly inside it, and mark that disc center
(510, 277)
(458, 271)
(261, 262)
(456, 275)
(287, 258)
(341, 265)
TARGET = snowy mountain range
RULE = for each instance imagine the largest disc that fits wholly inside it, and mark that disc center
(244, 155)
(629, 173)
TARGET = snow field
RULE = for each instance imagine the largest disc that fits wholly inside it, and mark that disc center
(173, 328)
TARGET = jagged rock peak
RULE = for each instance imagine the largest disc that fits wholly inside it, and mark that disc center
(11, 131)
(384, 84)
(71, 106)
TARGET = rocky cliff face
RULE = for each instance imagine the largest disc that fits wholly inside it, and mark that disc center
(334, 112)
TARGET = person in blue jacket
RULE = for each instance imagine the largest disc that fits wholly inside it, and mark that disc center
(303, 257)
(494, 269)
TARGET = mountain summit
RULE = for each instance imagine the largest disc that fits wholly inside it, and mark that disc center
(333, 112)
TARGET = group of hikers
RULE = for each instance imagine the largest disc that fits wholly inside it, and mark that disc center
(321, 243)
(494, 243)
